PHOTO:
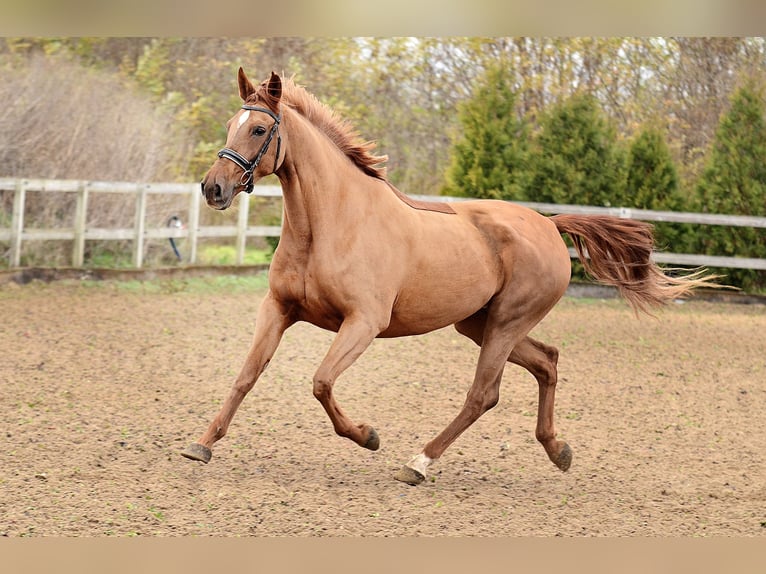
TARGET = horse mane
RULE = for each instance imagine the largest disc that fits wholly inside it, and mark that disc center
(340, 131)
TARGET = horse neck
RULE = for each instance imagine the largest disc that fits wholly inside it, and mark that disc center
(321, 188)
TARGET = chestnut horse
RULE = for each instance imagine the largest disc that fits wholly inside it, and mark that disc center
(359, 258)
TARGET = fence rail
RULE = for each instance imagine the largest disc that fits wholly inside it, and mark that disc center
(80, 231)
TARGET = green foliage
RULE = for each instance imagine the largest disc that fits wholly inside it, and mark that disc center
(213, 285)
(734, 182)
(152, 67)
(490, 153)
(194, 81)
(652, 183)
(576, 159)
(227, 255)
(652, 180)
(108, 254)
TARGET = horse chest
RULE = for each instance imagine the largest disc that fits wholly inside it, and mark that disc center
(311, 299)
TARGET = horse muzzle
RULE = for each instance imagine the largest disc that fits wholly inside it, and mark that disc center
(218, 194)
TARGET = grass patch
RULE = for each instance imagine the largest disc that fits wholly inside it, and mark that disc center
(194, 285)
(227, 255)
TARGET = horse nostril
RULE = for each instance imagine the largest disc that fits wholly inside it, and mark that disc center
(212, 191)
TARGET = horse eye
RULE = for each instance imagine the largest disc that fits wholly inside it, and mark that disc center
(259, 130)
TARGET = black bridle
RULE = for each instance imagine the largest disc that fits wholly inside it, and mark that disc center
(246, 180)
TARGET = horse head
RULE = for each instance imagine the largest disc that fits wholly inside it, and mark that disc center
(253, 143)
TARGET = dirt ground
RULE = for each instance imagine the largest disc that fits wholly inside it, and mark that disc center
(103, 384)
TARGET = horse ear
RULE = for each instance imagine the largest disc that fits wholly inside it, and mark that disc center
(274, 90)
(246, 88)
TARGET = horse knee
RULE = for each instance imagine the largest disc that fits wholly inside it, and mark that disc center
(553, 355)
(322, 389)
(544, 436)
(547, 377)
(553, 360)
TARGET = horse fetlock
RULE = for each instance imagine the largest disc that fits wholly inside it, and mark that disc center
(547, 438)
(220, 432)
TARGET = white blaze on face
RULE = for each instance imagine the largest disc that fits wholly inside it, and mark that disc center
(243, 118)
(235, 125)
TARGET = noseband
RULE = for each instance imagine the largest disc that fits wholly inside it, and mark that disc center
(249, 166)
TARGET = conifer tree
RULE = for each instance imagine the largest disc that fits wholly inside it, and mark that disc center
(734, 182)
(576, 159)
(652, 183)
(652, 179)
(489, 156)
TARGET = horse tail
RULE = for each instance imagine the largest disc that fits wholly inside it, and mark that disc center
(618, 251)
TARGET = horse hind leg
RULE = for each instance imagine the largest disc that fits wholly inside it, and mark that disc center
(541, 361)
(480, 399)
(500, 336)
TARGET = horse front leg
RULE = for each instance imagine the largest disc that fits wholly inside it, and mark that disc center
(271, 322)
(354, 336)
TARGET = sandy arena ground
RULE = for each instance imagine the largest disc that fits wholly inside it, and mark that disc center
(103, 384)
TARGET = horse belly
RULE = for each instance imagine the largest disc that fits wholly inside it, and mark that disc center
(435, 300)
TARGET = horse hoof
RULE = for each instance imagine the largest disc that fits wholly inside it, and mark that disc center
(196, 451)
(409, 476)
(564, 459)
(373, 440)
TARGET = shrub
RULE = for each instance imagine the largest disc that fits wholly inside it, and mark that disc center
(62, 120)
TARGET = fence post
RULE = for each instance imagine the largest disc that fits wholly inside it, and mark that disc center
(193, 224)
(80, 218)
(140, 226)
(17, 222)
(244, 208)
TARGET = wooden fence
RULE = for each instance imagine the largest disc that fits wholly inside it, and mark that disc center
(80, 232)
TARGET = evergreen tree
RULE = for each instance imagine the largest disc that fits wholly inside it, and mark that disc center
(576, 158)
(652, 180)
(734, 182)
(652, 183)
(490, 154)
